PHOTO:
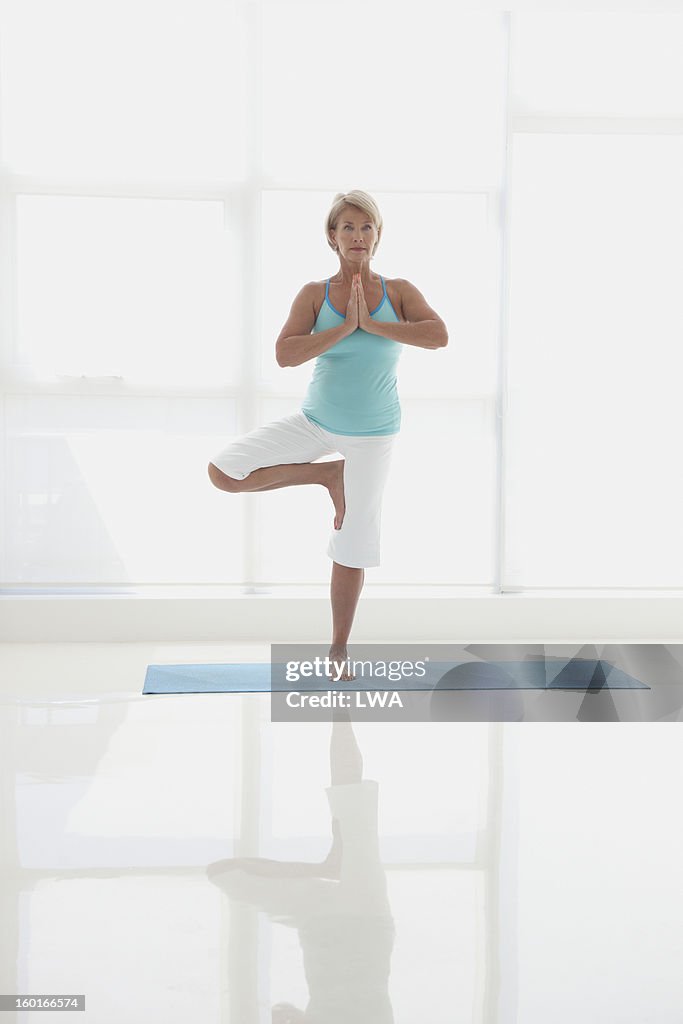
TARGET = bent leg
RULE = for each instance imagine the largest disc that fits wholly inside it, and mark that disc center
(280, 454)
(270, 477)
(329, 474)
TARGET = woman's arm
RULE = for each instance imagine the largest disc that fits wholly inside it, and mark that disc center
(425, 327)
(296, 344)
(299, 348)
(424, 333)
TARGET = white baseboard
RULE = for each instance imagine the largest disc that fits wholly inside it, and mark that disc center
(284, 615)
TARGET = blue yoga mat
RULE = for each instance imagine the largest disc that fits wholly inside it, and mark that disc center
(590, 675)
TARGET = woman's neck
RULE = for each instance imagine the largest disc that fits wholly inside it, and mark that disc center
(346, 273)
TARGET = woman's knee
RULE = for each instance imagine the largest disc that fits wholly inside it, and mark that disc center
(221, 480)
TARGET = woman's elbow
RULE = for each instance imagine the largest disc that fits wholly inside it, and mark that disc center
(281, 356)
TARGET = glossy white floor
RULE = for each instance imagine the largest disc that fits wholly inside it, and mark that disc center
(513, 873)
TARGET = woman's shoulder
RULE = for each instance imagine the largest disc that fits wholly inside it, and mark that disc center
(317, 293)
(395, 293)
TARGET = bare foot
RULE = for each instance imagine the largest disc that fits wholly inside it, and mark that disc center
(335, 485)
(338, 654)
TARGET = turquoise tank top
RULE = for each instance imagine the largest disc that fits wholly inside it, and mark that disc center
(353, 388)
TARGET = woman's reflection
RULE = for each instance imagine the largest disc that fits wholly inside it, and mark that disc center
(339, 906)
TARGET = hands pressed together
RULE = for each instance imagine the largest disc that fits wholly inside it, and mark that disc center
(357, 312)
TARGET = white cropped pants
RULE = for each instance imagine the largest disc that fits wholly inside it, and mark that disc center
(295, 438)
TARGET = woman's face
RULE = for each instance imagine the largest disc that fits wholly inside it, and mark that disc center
(355, 235)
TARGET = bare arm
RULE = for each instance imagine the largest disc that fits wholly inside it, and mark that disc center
(425, 327)
(424, 333)
(299, 348)
(296, 344)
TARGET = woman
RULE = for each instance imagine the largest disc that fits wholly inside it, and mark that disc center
(351, 406)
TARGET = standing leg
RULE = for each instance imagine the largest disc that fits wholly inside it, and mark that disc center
(366, 467)
(345, 587)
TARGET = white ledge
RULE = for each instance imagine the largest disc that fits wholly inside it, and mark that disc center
(280, 614)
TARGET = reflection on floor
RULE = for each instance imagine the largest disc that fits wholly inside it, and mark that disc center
(183, 858)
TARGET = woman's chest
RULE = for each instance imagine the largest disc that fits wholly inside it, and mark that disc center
(363, 351)
(338, 298)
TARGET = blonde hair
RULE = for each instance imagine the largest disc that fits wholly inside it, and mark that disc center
(363, 202)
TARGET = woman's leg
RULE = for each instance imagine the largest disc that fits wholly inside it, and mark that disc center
(269, 478)
(357, 544)
(279, 454)
(345, 587)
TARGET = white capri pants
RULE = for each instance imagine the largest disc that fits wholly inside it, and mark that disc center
(295, 438)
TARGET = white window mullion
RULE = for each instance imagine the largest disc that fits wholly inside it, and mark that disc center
(499, 205)
(250, 246)
(7, 335)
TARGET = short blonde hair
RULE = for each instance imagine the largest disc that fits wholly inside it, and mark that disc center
(363, 202)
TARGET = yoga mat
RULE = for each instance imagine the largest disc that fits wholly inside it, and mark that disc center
(588, 674)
